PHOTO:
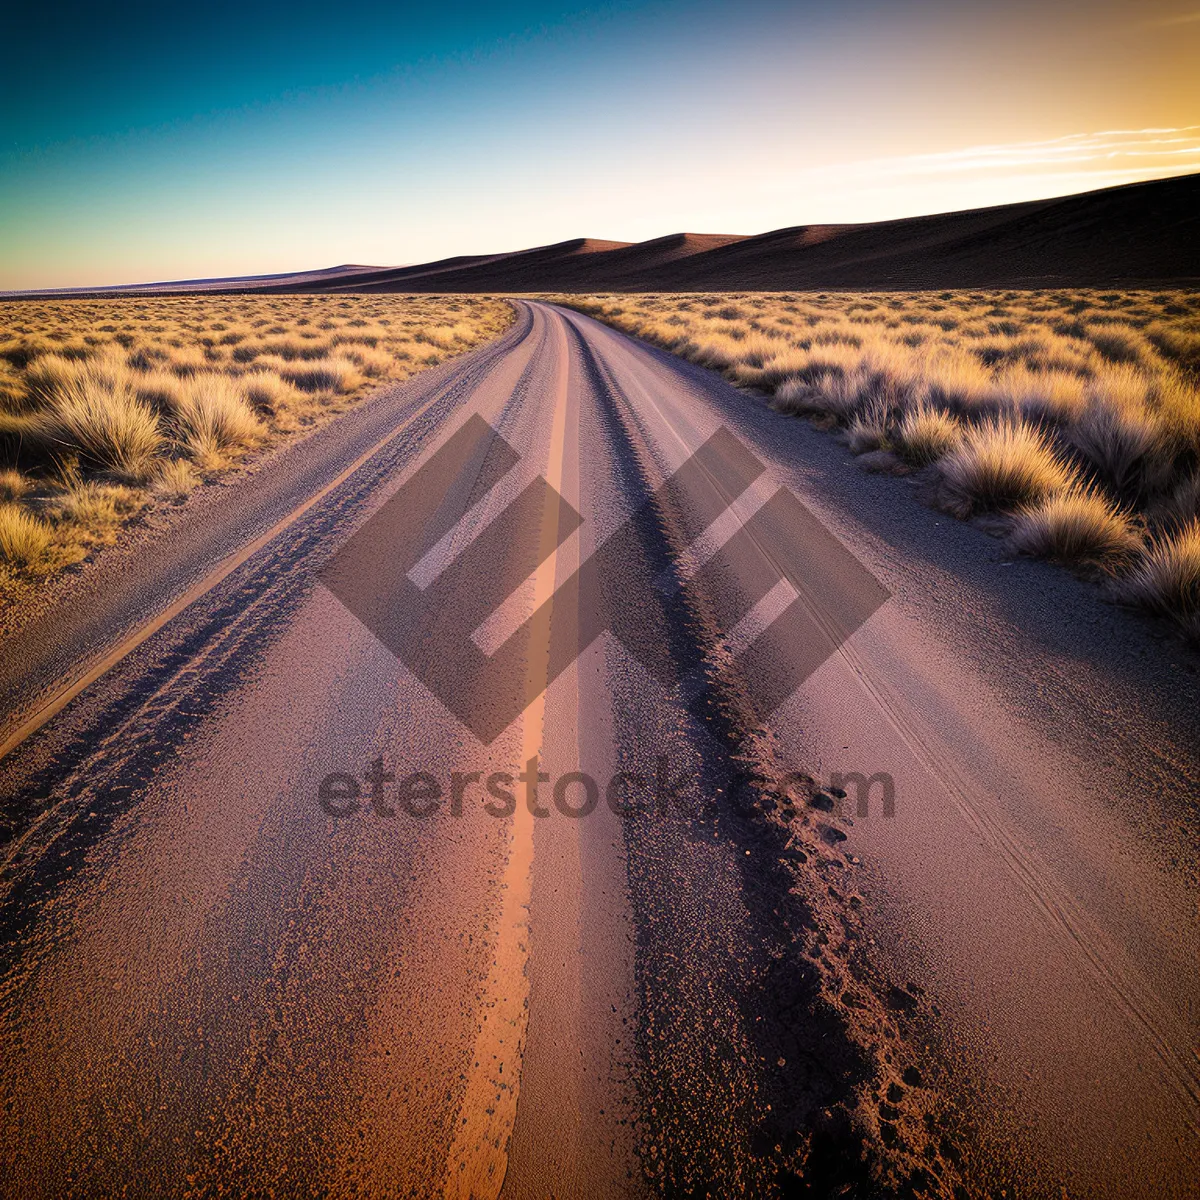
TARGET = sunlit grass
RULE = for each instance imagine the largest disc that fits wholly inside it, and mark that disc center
(107, 406)
(1002, 463)
(1079, 526)
(24, 540)
(1166, 580)
(1074, 416)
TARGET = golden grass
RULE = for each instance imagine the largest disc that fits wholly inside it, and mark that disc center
(1002, 463)
(24, 540)
(1079, 526)
(107, 406)
(335, 375)
(212, 417)
(924, 434)
(175, 479)
(95, 414)
(1074, 414)
(870, 430)
(1166, 579)
(13, 485)
(93, 509)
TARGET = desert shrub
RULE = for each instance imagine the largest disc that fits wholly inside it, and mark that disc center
(187, 361)
(14, 394)
(1166, 579)
(48, 374)
(174, 479)
(1118, 343)
(374, 364)
(93, 504)
(832, 394)
(148, 358)
(324, 375)
(96, 413)
(24, 540)
(869, 430)
(1118, 434)
(1077, 526)
(1176, 402)
(267, 391)
(1182, 505)
(925, 434)
(1052, 395)
(161, 390)
(796, 397)
(213, 418)
(1001, 463)
(958, 381)
(1181, 343)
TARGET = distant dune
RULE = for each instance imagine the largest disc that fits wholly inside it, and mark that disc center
(287, 280)
(1145, 234)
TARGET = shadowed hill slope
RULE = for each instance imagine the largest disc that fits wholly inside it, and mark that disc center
(1139, 234)
(1142, 233)
(581, 265)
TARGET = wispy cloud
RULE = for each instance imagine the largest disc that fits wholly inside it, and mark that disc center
(1110, 149)
(980, 175)
(1189, 18)
(1108, 154)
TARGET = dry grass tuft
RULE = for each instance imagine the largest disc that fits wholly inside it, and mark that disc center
(106, 405)
(97, 415)
(925, 434)
(214, 419)
(870, 431)
(14, 485)
(94, 507)
(1000, 464)
(1120, 442)
(266, 391)
(24, 540)
(1167, 578)
(1078, 526)
(337, 375)
(1177, 405)
(1055, 396)
(175, 479)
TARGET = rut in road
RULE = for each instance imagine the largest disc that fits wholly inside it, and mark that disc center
(211, 984)
(825, 1027)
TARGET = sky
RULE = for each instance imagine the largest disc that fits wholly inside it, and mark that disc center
(151, 141)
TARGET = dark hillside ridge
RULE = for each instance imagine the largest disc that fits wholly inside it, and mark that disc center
(1136, 235)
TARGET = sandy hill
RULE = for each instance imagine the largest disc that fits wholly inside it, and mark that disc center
(583, 264)
(1140, 234)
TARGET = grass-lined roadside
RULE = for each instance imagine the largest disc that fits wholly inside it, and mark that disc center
(1072, 417)
(108, 407)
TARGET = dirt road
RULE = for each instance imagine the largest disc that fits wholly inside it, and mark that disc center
(324, 872)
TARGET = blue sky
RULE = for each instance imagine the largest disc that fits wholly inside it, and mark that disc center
(158, 141)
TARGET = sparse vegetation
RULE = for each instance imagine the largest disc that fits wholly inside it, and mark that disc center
(1002, 463)
(1075, 527)
(1166, 579)
(1071, 416)
(925, 434)
(24, 540)
(107, 406)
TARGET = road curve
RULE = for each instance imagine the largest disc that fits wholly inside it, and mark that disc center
(279, 915)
